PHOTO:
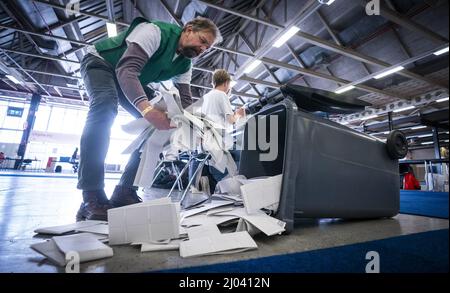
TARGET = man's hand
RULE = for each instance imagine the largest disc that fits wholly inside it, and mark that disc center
(158, 119)
(240, 112)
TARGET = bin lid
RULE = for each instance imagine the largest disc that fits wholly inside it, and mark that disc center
(314, 100)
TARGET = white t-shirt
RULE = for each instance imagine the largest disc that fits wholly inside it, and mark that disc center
(148, 37)
(216, 106)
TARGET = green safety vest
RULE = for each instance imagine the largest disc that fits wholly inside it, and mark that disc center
(160, 66)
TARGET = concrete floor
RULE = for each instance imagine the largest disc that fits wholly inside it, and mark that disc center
(30, 202)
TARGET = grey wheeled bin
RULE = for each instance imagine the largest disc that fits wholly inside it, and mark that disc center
(329, 170)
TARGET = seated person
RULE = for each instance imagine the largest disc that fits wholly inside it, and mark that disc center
(74, 160)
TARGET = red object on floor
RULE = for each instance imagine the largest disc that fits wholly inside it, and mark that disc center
(410, 182)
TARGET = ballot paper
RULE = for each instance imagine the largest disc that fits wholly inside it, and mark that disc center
(86, 245)
(243, 225)
(136, 126)
(143, 222)
(261, 193)
(172, 245)
(207, 230)
(96, 229)
(203, 219)
(62, 229)
(212, 212)
(139, 141)
(150, 157)
(50, 251)
(217, 244)
(266, 224)
(208, 206)
(230, 185)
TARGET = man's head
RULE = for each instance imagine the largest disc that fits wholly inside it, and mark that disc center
(198, 36)
(221, 80)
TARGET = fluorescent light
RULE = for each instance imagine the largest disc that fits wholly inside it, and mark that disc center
(369, 117)
(75, 86)
(112, 29)
(286, 36)
(404, 109)
(427, 142)
(442, 100)
(446, 140)
(389, 72)
(252, 66)
(424, 135)
(440, 52)
(13, 79)
(329, 2)
(386, 132)
(344, 123)
(344, 89)
(418, 127)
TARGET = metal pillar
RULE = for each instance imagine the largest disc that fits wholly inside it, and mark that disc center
(28, 127)
(391, 125)
(437, 149)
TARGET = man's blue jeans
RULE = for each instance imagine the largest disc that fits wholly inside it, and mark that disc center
(105, 95)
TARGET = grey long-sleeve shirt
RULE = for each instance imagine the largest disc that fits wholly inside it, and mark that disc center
(128, 70)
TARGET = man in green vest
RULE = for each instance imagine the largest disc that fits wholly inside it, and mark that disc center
(116, 71)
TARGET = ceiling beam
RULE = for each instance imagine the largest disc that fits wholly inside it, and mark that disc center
(416, 101)
(82, 12)
(312, 73)
(403, 63)
(362, 57)
(240, 14)
(47, 73)
(43, 56)
(407, 23)
(45, 35)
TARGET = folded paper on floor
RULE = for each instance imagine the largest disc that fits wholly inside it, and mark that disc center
(86, 246)
(62, 229)
(143, 222)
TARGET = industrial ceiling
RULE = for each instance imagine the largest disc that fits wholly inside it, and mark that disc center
(339, 47)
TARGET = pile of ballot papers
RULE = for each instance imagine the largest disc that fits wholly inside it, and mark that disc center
(240, 209)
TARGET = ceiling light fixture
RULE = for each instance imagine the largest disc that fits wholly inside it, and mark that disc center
(442, 100)
(13, 79)
(440, 52)
(418, 127)
(112, 29)
(252, 66)
(389, 72)
(404, 109)
(286, 36)
(344, 89)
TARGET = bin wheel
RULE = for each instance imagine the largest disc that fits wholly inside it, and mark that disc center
(396, 145)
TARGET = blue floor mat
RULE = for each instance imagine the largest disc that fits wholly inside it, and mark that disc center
(417, 253)
(424, 203)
